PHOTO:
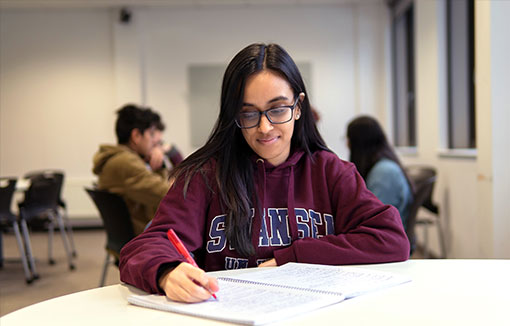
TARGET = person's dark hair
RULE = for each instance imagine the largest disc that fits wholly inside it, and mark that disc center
(226, 144)
(157, 122)
(368, 144)
(131, 117)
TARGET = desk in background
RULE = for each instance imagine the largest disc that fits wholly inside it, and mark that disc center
(443, 292)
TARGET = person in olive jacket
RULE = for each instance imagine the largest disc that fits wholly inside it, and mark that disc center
(134, 168)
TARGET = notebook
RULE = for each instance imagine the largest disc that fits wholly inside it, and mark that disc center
(271, 294)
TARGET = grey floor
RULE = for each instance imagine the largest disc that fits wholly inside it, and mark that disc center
(55, 280)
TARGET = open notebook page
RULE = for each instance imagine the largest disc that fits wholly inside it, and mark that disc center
(350, 281)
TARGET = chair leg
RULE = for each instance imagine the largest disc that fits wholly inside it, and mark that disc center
(442, 240)
(28, 275)
(1, 250)
(69, 229)
(426, 253)
(51, 228)
(28, 249)
(61, 226)
(105, 269)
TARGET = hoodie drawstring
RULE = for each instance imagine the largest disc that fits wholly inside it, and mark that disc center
(291, 211)
(259, 209)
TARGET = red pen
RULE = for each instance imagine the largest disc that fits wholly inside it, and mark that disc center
(174, 239)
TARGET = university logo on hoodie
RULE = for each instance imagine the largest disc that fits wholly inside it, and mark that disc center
(274, 230)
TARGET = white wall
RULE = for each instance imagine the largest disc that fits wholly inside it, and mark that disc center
(56, 86)
(493, 118)
(343, 44)
(322, 36)
(500, 99)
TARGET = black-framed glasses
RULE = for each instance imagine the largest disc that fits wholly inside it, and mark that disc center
(277, 115)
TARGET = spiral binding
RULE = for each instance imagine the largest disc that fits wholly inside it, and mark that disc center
(235, 280)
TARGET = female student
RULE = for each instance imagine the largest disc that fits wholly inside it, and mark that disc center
(379, 165)
(264, 190)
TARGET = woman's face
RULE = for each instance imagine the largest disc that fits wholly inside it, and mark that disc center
(266, 90)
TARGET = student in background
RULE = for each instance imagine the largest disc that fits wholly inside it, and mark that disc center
(379, 165)
(263, 191)
(122, 168)
(163, 154)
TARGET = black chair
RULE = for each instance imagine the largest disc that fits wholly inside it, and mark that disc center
(40, 205)
(59, 176)
(9, 220)
(417, 173)
(423, 180)
(117, 224)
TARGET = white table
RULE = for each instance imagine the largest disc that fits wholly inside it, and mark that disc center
(443, 292)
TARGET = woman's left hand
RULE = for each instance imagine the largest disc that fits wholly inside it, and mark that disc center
(269, 263)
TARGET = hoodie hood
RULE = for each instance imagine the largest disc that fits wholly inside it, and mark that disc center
(292, 160)
(105, 153)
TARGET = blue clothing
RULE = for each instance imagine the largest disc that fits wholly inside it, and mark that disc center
(388, 182)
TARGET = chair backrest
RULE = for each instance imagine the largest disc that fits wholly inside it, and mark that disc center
(423, 179)
(7, 188)
(115, 216)
(57, 174)
(414, 171)
(42, 195)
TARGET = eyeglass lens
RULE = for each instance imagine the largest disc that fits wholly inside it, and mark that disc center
(278, 115)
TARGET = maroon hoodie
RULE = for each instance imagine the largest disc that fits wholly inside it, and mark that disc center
(313, 210)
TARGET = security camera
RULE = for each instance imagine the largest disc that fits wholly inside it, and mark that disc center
(125, 16)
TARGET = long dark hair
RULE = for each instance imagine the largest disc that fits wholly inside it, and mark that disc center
(226, 143)
(368, 144)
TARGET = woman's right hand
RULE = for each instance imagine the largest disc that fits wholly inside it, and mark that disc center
(186, 283)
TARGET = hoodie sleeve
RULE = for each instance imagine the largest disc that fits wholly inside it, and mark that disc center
(141, 258)
(366, 231)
